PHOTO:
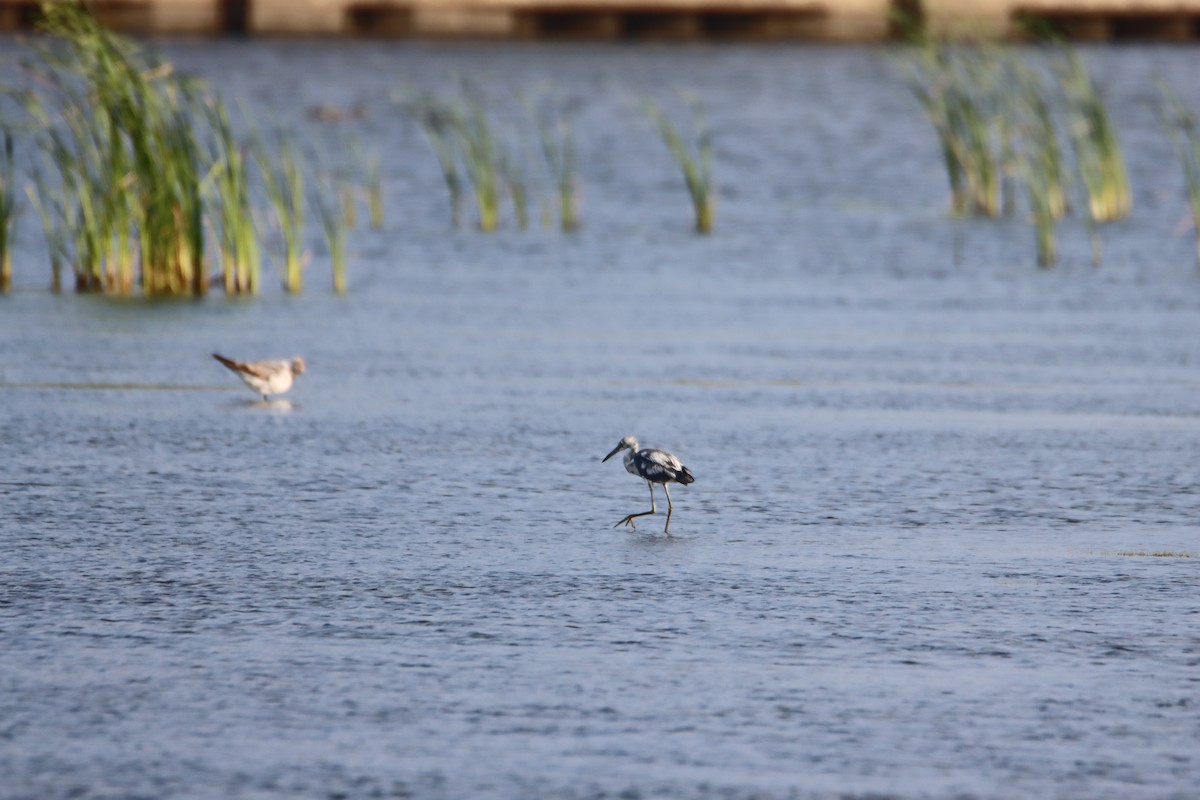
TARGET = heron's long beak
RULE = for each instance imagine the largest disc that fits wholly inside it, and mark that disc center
(615, 450)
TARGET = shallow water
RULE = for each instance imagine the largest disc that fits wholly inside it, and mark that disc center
(916, 561)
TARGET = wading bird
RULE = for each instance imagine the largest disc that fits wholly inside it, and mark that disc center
(265, 377)
(654, 466)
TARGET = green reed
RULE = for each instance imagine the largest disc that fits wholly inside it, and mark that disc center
(373, 187)
(349, 204)
(1044, 146)
(239, 241)
(1097, 148)
(558, 150)
(1000, 118)
(119, 131)
(9, 210)
(483, 159)
(440, 122)
(927, 71)
(695, 160)
(182, 231)
(1041, 206)
(1181, 126)
(334, 225)
(52, 227)
(283, 179)
(355, 175)
(477, 150)
(1038, 151)
(78, 193)
(142, 165)
(986, 130)
(513, 172)
(962, 90)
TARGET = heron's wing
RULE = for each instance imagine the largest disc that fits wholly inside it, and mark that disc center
(657, 465)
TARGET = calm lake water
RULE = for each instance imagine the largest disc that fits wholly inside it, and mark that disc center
(916, 560)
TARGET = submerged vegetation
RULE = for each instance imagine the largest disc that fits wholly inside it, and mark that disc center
(1155, 554)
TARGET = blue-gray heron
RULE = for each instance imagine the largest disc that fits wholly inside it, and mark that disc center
(265, 377)
(653, 466)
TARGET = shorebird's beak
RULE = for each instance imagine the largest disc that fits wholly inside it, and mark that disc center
(615, 450)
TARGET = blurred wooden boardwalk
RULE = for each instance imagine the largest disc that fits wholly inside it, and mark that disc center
(733, 20)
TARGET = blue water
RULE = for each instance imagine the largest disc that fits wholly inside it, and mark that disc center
(919, 559)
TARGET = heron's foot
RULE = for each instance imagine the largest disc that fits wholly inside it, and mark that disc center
(629, 519)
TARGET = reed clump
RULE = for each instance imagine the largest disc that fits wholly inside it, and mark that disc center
(440, 122)
(139, 177)
(1042, 210)
(52, 230)
(1042, 139)
(283, 178)
(512, 168)
(233, 209)
(334, 225)
(358, 177)
(373, 188)
(349, 203)
(962, 90)
(1038, 151)
(482, 158)
(695, 158)
(466, 137)
(1097, 148)
(558, 149)
(557, 140)
(1001, 119)
(119, 130)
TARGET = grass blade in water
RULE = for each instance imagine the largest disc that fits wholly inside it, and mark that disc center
(695, 162)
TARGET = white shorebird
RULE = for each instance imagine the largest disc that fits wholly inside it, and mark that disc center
(265, 377)
(653, 466)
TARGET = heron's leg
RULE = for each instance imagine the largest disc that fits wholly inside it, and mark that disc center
(670, 508)
(653, 510)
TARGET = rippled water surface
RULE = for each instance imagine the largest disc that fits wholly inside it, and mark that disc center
(942, 540)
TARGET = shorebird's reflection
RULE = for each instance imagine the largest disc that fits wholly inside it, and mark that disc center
(275, 404)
